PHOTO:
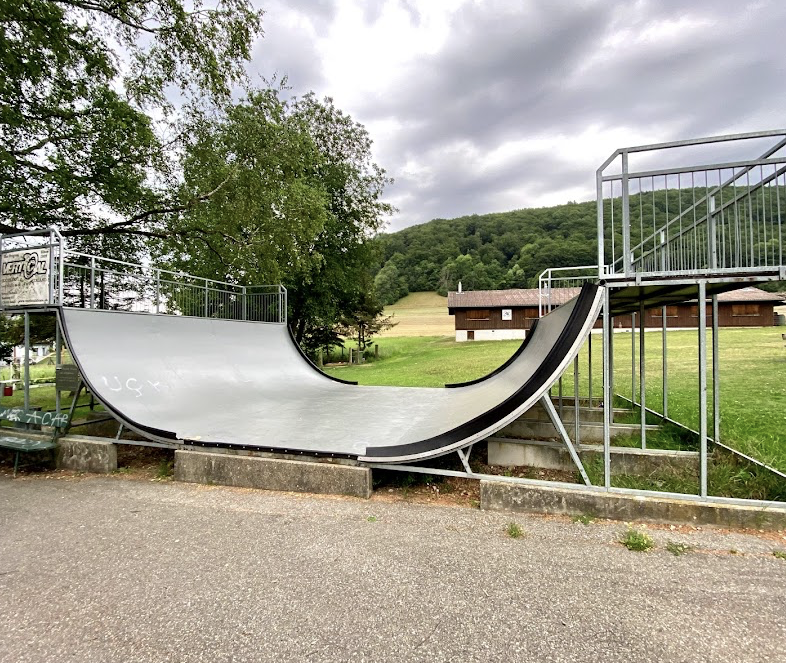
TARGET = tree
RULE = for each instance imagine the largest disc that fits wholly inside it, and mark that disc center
(298, 199)
(389, 285)
(364, 322)
(80, 81)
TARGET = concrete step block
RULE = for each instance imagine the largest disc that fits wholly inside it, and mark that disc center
(229, 469)
(549, 455)
(588, 432)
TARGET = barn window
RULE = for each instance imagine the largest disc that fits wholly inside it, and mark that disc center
(739, 310)
(478, 314)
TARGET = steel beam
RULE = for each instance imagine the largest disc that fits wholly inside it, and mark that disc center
(555, 419)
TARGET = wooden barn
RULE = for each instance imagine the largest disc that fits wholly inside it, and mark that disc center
(508, 314)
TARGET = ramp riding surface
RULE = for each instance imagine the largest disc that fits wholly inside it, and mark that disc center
(246, 384)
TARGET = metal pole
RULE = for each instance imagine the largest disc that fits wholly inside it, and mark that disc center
(642, 383)
(601, 229)
(665, 367)
(92, 282)
(27, 361)
(626, 257)
(703, 387)
(611, 357)
(61, 252)
(51, 268)
(606, 390)
(245, 304)
(158, 291)
(633, 357)
(715, 372)
(589, 366)
(576, 399)
(58, 361)
(206, 299)
(560, 397)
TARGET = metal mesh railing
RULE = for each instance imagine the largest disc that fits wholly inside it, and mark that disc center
(719, 218)
(93, 282)
(38, 269)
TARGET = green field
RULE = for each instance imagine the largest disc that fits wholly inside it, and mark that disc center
(753, 377)
(420, 314)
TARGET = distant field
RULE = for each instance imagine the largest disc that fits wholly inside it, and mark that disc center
(420, 314)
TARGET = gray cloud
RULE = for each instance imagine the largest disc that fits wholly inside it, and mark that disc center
(557, 69)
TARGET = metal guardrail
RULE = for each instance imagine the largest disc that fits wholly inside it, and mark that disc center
(85, 281)
(721, 218)
(559, 284)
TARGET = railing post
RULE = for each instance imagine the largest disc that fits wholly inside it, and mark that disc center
(51, 268)
(206, 300)
(626, 257)
(245, 303)
(601, 229)
(158, 290)
(92, 281)
(62, 252)
(712, 234)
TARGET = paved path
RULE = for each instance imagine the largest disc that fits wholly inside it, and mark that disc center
(109, 569)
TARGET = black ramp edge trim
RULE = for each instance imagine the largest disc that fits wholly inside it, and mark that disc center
(311, 363)
(563, 344)
(502, 367)
(144, 430)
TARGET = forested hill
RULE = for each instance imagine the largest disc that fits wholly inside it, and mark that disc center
(504, 250)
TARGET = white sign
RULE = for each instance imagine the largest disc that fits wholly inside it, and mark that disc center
(25, 277)
(507, 314)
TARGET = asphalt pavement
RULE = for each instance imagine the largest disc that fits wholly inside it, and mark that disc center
(114, 569)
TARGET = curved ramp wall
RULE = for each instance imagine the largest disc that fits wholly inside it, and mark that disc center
(244, 384)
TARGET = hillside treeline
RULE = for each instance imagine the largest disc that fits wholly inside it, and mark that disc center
(510, 249)
(502, 250)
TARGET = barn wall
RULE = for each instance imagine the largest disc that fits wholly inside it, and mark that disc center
(742, 314)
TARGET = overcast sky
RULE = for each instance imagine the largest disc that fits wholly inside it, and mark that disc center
(485, 106)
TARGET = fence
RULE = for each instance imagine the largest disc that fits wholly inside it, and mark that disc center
(719, 218)
(85, 281)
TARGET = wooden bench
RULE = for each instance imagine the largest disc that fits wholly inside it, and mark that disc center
(20, 444)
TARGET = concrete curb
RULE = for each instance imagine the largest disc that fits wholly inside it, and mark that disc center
(272, 473)
(502, 496)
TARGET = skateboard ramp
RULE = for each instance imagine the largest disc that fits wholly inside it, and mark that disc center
(246, 385)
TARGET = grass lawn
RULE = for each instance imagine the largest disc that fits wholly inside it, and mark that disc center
(753, 377)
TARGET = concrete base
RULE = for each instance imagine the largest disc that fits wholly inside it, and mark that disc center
(501, 496)
(84, 454)
(272, 473)
(554, 456)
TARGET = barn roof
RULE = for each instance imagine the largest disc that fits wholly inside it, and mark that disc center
(507, 298)
(528, 297)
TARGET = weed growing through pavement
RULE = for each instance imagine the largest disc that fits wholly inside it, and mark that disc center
(780, 554)
(372, 519)
(514, 530)
(677, 549)
(634, 539)
(584, 519)
(165, 468)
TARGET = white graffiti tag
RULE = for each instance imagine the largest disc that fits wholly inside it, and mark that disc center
(115, 384)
